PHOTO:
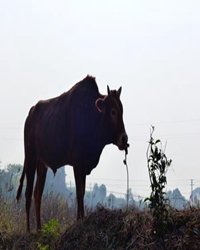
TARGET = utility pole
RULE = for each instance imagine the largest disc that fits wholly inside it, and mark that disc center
(191, 196)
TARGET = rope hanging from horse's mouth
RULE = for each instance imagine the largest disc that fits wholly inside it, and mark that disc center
(125, 163)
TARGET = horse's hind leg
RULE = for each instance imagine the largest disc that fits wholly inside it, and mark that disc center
(41, 177)
(30, 166)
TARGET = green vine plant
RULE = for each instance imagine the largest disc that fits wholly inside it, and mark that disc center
(49, 232)
(158, 165)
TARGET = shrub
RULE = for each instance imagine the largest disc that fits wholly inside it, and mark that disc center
(158, 165)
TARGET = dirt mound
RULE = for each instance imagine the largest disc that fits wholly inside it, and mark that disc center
(108, 229)
(117, 229)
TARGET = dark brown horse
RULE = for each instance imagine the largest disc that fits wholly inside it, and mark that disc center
(71, 129)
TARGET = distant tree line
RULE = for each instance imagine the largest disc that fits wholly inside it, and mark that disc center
(56, 185)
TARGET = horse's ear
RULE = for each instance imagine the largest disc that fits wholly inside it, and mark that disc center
(119, 91)
(100, 104)
(108, 90)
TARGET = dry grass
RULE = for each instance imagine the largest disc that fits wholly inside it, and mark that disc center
(101, 229)
(13, 222)
(115, 229)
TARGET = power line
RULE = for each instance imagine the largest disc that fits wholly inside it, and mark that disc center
(169, 136)
(139, 123)
(166, 122)
(134, 180)
(143, 186)
(132, 138)
(142, 123)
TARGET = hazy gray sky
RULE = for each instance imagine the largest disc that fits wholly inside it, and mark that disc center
(150, 48)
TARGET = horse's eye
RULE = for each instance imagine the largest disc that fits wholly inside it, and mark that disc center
(113, 112)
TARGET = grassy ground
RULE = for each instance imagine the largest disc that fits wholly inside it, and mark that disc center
(101, 229)
(115, 229)
(13, 223)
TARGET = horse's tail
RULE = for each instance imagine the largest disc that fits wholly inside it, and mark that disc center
(19, 191)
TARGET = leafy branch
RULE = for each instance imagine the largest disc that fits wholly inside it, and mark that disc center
(158, 165)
